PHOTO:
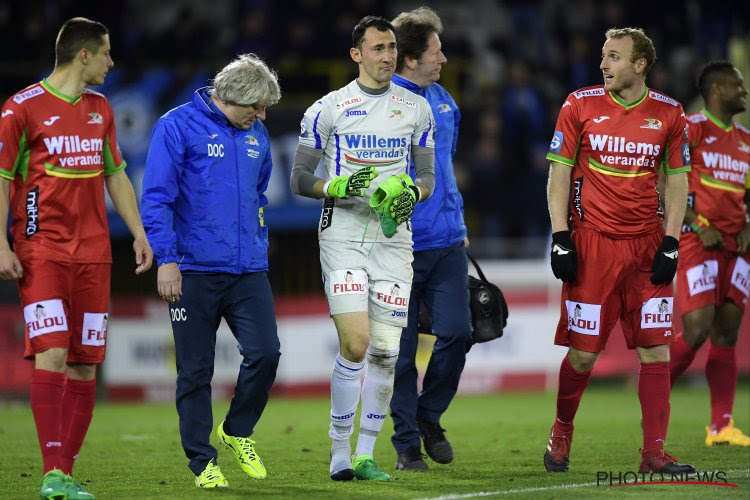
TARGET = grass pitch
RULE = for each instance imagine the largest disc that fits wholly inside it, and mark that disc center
(133, 451)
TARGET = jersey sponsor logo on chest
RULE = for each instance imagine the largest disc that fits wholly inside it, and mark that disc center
(72, 144)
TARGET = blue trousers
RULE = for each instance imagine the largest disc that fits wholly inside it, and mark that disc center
(245, 301)
(441, 282)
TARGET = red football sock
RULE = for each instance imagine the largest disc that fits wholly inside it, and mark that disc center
(721, 373)
(653, 391)
(78, 408)
(572, 383)
(681, 355)
(46, 405)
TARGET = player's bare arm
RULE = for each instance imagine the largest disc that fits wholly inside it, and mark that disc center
(10, 267)
(710, 236)
(121, 191)
(676, 203)
(558, 195)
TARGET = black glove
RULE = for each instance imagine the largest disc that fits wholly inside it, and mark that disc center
(665, 262)
(564, 257)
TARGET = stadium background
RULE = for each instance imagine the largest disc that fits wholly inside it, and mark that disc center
(510, 65)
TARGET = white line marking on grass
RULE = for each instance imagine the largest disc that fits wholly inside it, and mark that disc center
(136, 437)
(510, 492)
(570, 486)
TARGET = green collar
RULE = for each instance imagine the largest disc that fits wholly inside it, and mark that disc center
(717, 122)
(632, 104)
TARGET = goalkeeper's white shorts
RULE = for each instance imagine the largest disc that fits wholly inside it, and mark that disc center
(370, 277)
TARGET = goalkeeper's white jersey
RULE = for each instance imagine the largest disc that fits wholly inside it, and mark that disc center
(355, 130)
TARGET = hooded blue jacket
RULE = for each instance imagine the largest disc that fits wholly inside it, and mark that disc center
(203, 190)
(438, 222)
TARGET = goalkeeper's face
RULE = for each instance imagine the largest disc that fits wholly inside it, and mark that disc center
(376, 57)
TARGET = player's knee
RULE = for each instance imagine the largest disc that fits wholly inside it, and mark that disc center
(52, 359)
(582, 361)
(724, 337)
(385, 341)
(697, 326)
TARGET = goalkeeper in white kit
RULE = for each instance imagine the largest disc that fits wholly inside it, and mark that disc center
(366, 132)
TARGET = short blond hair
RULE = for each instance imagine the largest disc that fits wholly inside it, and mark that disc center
(643, 47)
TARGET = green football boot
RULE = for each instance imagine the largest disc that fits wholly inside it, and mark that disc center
(54, 486)
(381, 201)
(211, 477)
(365, 469)
(244, 451)
(76, 491)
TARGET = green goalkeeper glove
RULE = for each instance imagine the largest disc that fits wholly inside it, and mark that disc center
(353, 185)
(402, 205)
(382, 202)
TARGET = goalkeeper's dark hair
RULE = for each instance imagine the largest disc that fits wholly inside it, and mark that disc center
(712, 73)
(413, 30)
(76, 34)
(379, 23)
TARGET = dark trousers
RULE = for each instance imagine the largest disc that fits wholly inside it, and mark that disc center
(441, 282)
(245, 301)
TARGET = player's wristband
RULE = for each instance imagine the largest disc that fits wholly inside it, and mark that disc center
(700, 224)
(417, 193)
(325, 189)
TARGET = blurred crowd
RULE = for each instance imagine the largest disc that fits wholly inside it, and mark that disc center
(510, 65)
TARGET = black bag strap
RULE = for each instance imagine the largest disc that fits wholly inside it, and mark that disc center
(476, 266)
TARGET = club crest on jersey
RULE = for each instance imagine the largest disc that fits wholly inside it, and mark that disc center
(652, 123)
(444, 108)
(96, 119)
(251, 140)
(744, 147)
(396, 113)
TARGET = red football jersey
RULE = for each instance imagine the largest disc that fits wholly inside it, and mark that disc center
(616, 150)
(720, 159)
(56, 151)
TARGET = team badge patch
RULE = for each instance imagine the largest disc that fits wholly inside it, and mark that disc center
(96, 119)
(741, 276)
(251, 140)
(444, 108)
(94, 330)
(392, 295)
(657, 313)
(702, 277)
(46, 316)
(347, 282)
(584, 318)
(652, 123)
(557, 141)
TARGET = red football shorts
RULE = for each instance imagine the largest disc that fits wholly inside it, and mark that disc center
(614, 283)
(65, 305)
(710, 277)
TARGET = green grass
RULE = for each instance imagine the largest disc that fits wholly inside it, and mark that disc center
(133, 451)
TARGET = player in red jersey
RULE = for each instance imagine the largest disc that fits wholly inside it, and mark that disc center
(58, 149)
(713, 276)
(609, 146)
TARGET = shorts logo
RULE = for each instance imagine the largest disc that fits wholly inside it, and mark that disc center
(46, 316)
(398, 314)
(393, 296)
(94, 331)
(702, 277)
(657, 313)
(583, 318)
(741, 276)
(32, 212)
(348, 282)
